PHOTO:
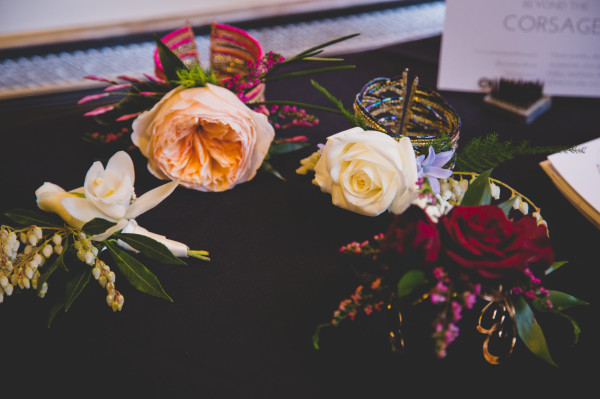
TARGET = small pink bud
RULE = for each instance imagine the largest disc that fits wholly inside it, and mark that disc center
(117, 87)
(92, 98)
(127, 117)
(100, 110)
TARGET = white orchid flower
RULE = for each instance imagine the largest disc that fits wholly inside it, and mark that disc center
(108, 194)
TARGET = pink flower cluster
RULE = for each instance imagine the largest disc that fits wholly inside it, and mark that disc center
(240, 84)
(445, 324)
(534, 289)
(359, 300)
(286, 116)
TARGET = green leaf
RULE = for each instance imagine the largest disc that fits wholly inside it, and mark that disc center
(56, 308)
(283, 148)
(560, 301)
(169, 60)
(409, 281)
(555, 266)
(150, 248)
(76, 286)
(136, 273)
(311, 51)
(97, 226)
(309, 72)
(507, 205)
(48, 270)
(267, 167)
(530, 331)
(26, 217)
(479, 191)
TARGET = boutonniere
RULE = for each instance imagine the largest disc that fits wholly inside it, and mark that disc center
(89, 232)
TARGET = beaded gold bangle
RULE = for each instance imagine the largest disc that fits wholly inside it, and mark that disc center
(389, 106)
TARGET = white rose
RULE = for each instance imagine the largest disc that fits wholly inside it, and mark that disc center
(368, 172)
(106, 194)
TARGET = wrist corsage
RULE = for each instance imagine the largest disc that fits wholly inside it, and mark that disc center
(209, 128)
(457, 235)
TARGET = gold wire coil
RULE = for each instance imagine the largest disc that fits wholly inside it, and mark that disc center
(391, 106)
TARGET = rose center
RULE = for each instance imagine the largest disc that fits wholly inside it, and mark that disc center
(361, 181)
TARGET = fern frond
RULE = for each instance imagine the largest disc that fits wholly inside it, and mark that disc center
(482, 153)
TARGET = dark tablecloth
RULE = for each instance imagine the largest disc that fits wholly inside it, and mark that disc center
(241, 325)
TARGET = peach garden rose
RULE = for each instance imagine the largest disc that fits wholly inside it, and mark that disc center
(205, 137)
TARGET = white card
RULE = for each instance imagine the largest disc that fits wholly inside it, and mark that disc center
(556, 42)
(581, 170)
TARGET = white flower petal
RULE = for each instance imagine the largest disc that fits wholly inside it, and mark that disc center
(150, 199)
(48, 188)
(122, 165)
(82, 209)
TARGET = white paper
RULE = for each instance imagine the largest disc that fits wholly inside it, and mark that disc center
(556, 42)
(581, 170)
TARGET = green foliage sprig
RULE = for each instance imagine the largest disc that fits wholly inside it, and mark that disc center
(47, 245)
(196, 76)
(482, 153)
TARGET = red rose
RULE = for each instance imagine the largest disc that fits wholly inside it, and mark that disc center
(482, 238)
(412, 240)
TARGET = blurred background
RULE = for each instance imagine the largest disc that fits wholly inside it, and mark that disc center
(48, 47)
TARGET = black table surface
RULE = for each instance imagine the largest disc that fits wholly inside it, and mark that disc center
(241, 325)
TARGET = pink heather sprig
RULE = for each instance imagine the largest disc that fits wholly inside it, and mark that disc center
(107, 138)
(445, 324)
(533, 289)
(360, 302)
(240, 84)
(365, 248)
(286, 116)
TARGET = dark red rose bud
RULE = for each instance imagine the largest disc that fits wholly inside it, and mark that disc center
(411, 241)
(483, 239)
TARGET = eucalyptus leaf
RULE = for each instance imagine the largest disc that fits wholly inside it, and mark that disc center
(97, 226)
(479, 191)
(27, 217)
(507, 205)
(136, 273)
(409, 281)
(169, 60)
(56, 308)
(283, 148)
(150, 248)
(555, 266)
(75, 287)
(530, 331)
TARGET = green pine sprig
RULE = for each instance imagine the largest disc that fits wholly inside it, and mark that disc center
(350, 117)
